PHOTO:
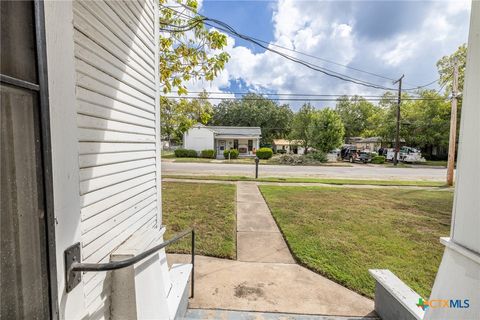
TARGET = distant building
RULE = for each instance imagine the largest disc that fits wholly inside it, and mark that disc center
(245, 139)
(371, 143)
(288, 146)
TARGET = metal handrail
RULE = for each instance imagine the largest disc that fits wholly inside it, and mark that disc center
(74, 268)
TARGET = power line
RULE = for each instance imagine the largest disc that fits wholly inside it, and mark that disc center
(287, 94)
(297, 99)
(230, 30)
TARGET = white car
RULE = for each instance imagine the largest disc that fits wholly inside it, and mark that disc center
(406, 154)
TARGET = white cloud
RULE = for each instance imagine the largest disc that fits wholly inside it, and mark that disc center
(320, 29)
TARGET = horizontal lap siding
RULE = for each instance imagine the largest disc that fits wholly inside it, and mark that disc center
(117, 131)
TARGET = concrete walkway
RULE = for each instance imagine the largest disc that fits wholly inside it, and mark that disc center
(258, 237)
(265, 277)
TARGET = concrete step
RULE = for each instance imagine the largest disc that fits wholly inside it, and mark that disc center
(179, 292)
(204, 314)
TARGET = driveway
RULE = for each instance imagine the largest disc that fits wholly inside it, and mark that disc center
(355, 172)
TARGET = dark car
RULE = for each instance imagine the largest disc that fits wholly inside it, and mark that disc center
(349, 153)
(364, 157)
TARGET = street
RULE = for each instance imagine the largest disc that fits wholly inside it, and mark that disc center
(355, 172)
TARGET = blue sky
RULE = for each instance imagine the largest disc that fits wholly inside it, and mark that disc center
(389, 38)
(253, 18)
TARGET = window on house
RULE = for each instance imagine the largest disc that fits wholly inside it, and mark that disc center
(24, 273)
(250, 145)
(235, 144)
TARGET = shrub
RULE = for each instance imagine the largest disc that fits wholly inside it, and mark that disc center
(208, 153)
(319, 156)
(185, 153)
(264, 153)
(233, 154)
(378, 159)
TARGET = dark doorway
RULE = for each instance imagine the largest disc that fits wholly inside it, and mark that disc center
(27, 271)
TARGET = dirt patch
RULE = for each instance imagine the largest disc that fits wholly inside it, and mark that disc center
(248, 292)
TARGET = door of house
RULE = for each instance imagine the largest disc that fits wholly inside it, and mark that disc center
(221, 147)
(27, 270)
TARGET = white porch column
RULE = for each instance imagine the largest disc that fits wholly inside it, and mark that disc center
(459, 273)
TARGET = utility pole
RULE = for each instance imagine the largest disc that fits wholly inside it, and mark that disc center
(453, 125)
(397, 133)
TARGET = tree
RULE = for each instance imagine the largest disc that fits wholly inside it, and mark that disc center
(180, 115)
(360, 117)
(188, 50)
(255, 111)
(445, 69)
(387, 127)
(302, 126)
(327, 130)
(426, 123)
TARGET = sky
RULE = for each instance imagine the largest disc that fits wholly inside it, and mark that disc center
(387, 38)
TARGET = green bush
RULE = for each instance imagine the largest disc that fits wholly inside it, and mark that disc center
(233, 154)
(378, 159)
(319, 156)
(185, 153)
(208, 153)
(264, 153)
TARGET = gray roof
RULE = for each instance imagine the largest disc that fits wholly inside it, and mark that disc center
(236, 131)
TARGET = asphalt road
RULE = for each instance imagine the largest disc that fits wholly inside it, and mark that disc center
(356, 172)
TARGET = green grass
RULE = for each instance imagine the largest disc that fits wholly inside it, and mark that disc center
(435, 163)
(418, 183)
(167, 154)
(209, 208)
(343, 232)
(430, 163)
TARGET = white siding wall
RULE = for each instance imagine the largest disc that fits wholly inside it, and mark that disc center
(198, 139)
(117, 123)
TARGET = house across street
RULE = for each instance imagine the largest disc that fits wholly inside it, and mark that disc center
(244, 139)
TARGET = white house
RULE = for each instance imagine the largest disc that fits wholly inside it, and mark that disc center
(80, 159)
(288, 146)
(245, 139)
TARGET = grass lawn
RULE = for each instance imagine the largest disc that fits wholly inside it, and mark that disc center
(429, 163)
(209, 208)
(418, 183)
(343, 232)
(436, 163)
(167, 154)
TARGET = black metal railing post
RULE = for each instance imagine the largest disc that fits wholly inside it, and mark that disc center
(257, 160)
(193, 265)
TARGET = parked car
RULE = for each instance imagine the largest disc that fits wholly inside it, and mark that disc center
(349, 153)
(406, 154)
(364, 157)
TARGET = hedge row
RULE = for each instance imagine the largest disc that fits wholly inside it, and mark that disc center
(209, 153)
(185, 153)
